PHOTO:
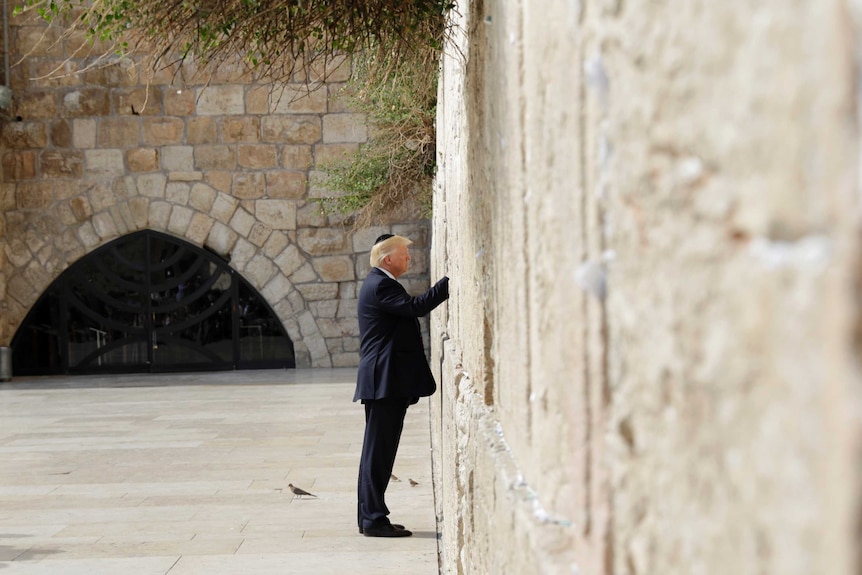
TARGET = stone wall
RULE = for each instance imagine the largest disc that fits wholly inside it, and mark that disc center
(649, 213)
(225, 160)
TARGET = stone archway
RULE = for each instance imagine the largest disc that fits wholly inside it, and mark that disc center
(150, 302)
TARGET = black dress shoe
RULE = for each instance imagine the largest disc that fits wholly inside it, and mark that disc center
(385, 530)
(395, 525)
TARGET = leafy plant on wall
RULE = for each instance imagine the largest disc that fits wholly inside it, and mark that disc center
(395, 46)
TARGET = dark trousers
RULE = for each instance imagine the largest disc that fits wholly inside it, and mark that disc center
(384, 420)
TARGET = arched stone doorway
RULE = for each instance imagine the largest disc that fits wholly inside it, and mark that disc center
(150, 302)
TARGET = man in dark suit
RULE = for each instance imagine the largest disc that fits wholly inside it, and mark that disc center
(393, 373)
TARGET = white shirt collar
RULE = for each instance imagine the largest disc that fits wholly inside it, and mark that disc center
(386, 272)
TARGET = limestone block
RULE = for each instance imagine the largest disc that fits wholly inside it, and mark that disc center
(338, 328)
(290, 260)
(86, 102)
(20, 165)
(127, 217)
(39, 41)
(33, 195)
(177, 193)
(21, 135)
(344, 128)
(275, 244)
(221, 239)
(257, 100)
(337, 98)
(101, 196)
(323, 241)
(140, 209)
(199, 228)
(221, 181)
(123, 188)
(277, 214)
(160, 215)
(62, 163)
(186, 176)
(345, 359)
(363, 240)
(18, 253)
(152, 185)
(179, 102)
(65, 215)
(243, 129)
(38, 105)
(248, 186)
(162, 131)
(305, 274)
(178, 158)
(61, 133)
(87, 235)
(292, 129)
(276, 288)
(202, 197)
(259, 234)
(20, 290)
(259, 270)
(142, 159)
(104, 162)
(220, 100)
(334, 268)
(334, 69)
(103, 224)
(347, 290)
(334, 154)
(242, 253)
(347, 308)
(322, 309)
(81, 208)
(84, 133)
(298, 99)
(120, 72)
(143, 101)
(215, 157)
(311, 215)
(242, 222)
(296, 157)
(202, 131)
(117, 216)
(223, 207)
(286, 185)
(257, 157)
(53, 73)
(121, 132)
(317, 291)
(181, 217)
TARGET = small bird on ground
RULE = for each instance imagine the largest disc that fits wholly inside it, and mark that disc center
(299, 492)
(413, 483)
(392, 476)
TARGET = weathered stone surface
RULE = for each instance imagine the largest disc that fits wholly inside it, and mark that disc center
(19, 165)
(62, 163)
(257, 100)
(257, 157)
(120, 72)
(31, 195)
(162, 131)
(296, 157)
(259, 270)
(220, 100)
(291, 129)
(177, 193)
(334, 154)
(104, 162)
(221, 239)
(277, 214)
(223, 207)
(298, 99)
(202, 131)
(240, 129)
(179, 102)
(142, 159)
(84, 133)
(23, 135)
(202, 197)
(103, 224)
(338, 128)
(199, 228)
(178, 158)
(152, 185)
(317, 291)
(159, 216)
(242, 222)
(61, 133)
(38, 105)
(281, 184)
(215, 157)
(323, 241)
(290, 260)
(138, 101)
(102, 196)
(81, 208)
(180, 219)
(334, 268)
(86, 102)
(259, 234)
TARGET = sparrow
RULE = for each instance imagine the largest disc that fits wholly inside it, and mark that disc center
(413, 483)
(298, 492)
(392, 476)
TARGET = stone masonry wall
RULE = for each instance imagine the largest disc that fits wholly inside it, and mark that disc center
(228, 162)
(649, 212)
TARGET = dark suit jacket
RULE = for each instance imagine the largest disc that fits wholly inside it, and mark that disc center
(392, 359)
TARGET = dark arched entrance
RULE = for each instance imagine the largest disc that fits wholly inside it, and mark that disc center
(149, 302)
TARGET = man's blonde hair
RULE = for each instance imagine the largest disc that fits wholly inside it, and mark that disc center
(386, 247)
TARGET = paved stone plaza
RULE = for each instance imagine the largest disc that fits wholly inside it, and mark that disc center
(187, 474)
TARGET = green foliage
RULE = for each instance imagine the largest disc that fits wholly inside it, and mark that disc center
(395, 45)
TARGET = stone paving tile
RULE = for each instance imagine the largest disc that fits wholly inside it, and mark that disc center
(187, 474)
